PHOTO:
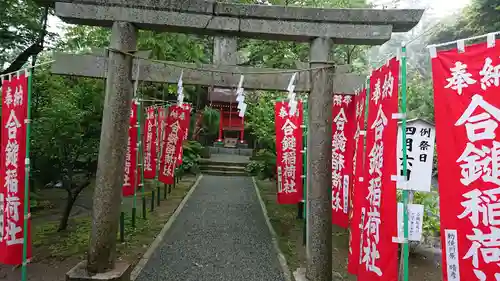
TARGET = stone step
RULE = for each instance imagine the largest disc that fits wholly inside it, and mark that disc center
(222, 168)
(211, 162)
(233, 151)
(225, 173)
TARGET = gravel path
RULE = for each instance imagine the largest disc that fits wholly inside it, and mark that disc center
(220, 235)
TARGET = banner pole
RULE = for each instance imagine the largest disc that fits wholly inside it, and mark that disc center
(405, 173)
(24, 270)
(156, 116)
(365, 126)
(134, 205)
(140, 152)
(159, 138)
(136, 99)
(304, 165)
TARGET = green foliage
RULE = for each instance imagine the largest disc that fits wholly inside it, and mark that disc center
(67, 111)
(208, 128)
(66, 126)
(280, 54)
(163, 46)
(480, 17)
(420, 98)
(430, 200)
(431, 224)
(260, 119)
(34, 200)
(84, 39)
(263, 165)
(62, 244)
(20, 26)
(210, 121)
(192, 151)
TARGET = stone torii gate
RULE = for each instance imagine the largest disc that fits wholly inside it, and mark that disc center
(96, 65)
(320, 27)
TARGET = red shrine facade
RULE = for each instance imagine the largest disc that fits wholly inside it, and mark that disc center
(231, 125)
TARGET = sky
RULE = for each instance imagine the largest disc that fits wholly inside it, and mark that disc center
(440, 8)
(444, 7)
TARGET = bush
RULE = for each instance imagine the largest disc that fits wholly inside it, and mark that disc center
(263, 165)
(431, 225)
(192, 151)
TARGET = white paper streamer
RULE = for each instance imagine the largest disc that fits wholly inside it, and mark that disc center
(180, 95)
(240, 98)
(292, 102)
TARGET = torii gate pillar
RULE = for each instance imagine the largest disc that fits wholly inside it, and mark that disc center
(319, 163)
(112, 150)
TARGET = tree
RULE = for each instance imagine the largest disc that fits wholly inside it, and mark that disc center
(67, 111)
(420, 101)
(480, 17)
(163, 46)
(22, 32)
(66, 133)
(209, 128)
(259, 118)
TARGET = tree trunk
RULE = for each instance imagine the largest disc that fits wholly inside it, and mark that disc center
(70, 201)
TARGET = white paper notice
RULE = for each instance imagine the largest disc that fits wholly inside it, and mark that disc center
(453, 269)
(420, 137)
(415, 221)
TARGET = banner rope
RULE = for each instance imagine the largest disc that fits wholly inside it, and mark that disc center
(465, 39)
(2, 77)
(182, 66)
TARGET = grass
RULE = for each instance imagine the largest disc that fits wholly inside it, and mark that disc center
(284, 220)
(289, 231)
(59, 245)
(48, 244)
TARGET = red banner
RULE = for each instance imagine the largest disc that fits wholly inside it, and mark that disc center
(288, 153)
(129, 177)
(161, 138)
(358, 188)
(379, 254)
(149, 143)
(174, 133)
(344, 111)
(12, 185)
(185, 124)
(467, 102)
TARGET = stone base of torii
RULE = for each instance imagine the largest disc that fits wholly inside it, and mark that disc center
(321, 27)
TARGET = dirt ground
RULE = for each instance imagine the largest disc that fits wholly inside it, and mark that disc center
(54, 253)
(424, 262)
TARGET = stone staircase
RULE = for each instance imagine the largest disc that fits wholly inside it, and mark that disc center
(232, 151)
(224, 165)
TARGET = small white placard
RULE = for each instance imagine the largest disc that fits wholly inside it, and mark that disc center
(420, 137)
(280, 183)
(345, 194)
(452, 264)
(415, 221)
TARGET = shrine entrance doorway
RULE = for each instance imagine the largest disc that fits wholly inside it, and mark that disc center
(231, 125)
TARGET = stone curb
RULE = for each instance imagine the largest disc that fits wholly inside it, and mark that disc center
(281, 257)
(156, 243)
